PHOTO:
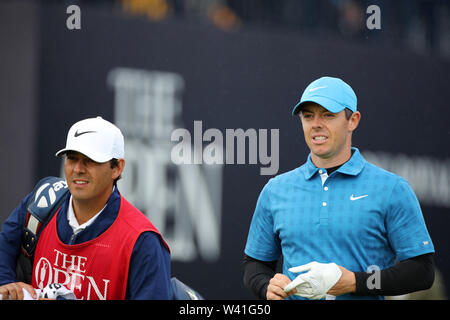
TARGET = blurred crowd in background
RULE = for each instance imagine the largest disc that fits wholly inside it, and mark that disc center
(419, 25)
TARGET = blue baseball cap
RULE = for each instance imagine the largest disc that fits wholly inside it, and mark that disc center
(331, 93)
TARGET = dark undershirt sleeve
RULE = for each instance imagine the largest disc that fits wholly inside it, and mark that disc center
(257, 275)
(407, 276)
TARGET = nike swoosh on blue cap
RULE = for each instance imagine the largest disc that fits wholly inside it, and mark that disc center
(331, 93)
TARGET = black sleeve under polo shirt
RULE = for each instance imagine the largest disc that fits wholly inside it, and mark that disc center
(407, 276)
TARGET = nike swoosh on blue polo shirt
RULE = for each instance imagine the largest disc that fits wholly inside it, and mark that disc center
(360, 216)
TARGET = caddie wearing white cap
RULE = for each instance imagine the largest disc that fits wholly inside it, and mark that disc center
(337, 217)
(96, 244)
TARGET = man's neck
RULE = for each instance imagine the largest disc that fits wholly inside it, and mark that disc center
(84, 210)
(334, 162)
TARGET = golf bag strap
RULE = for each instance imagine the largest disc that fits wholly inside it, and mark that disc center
(46, 197)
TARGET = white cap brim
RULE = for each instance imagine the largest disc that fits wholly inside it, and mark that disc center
(97, 157)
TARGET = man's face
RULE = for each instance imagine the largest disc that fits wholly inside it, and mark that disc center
(327, 134)
(89, 180)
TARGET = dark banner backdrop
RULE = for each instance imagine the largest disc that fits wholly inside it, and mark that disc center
(250, 80)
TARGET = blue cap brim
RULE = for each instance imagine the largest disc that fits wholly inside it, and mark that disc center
(329, 104)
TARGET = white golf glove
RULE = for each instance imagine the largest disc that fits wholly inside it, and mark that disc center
(51, 291)
(315, 283)
(54, 290)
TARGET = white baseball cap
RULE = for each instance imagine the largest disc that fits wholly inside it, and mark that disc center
(96, 138)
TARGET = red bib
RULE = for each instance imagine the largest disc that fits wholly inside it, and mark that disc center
(96, 269)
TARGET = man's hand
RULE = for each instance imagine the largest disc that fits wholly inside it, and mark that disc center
(346, 284)
(319, 281)
(275, 290)
(13, 290)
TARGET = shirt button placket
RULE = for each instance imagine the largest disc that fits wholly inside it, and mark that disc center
(325, 204)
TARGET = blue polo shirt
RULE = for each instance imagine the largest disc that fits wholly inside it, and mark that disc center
(359, 216)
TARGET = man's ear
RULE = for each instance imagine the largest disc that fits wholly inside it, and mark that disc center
(117, 170)
(354, 120)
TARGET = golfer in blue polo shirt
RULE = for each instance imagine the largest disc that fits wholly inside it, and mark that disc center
(336, 218)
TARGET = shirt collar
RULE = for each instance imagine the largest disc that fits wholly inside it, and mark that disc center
(73, 222)
(352, 167)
